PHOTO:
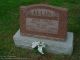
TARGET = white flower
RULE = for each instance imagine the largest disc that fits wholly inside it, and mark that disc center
(35, 44)
(40, 46)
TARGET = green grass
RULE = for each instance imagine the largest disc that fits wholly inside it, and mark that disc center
(9, 24)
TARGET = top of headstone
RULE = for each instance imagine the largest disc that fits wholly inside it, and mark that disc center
(44, 5)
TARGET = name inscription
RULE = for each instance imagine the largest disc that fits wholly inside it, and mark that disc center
(42, 12)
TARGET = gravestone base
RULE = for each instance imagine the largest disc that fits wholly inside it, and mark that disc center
(53, 46)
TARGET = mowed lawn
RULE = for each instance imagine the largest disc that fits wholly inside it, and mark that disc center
(9, 24)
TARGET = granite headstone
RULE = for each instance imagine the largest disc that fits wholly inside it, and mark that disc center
(46, 23)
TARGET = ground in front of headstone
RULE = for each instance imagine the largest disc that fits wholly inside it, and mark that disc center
(17, 53)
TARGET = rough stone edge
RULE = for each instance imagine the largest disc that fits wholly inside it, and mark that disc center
(70, 47)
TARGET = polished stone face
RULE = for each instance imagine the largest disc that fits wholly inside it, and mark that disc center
(42, 25)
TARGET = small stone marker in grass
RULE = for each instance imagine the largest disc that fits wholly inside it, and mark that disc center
(44, 23)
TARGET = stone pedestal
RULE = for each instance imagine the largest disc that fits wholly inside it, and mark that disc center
(53, 46)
